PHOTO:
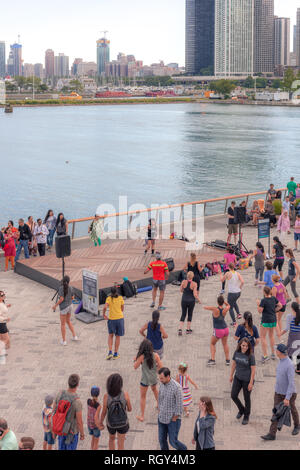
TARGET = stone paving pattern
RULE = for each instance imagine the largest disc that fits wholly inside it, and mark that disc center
(38, 365)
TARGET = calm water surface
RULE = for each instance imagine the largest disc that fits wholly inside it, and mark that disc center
(151, 153)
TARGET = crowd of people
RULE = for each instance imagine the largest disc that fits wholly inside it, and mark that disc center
(62, 415)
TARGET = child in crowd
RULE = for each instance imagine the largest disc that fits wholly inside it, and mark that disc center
(268, 274)
(9, 248)
(93, 411)
(47, 414)
(182, 378)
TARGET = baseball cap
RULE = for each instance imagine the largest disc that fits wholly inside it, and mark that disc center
(282, 348)
(95, 391)
(49, 399)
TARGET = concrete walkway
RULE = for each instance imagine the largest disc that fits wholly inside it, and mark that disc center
(38, 365)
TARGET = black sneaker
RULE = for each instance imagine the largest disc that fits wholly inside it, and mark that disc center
(239, 415)
(227, 362)
(233, 324)
(245, 420)
(211, 362)
(268, 437)
(296, 430)
(179, 332)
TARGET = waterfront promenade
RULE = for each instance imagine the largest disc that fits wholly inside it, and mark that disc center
(38, 365)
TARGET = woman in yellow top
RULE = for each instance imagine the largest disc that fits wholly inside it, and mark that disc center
(115, 324)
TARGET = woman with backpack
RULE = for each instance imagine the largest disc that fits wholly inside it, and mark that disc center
(151, 363)
(65, 296)
(155, 333)
(116, 404)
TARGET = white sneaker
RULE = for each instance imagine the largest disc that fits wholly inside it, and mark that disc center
(63, 343)
(75, 338)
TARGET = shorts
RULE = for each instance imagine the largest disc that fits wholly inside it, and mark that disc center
(3, 328)
(221, 333)
(95, 432)
(150, 385)
(269, 325)
(297, 237)
(123, 430)
(232, 229)
(66, 310)
(283, 309)
(160, 352)
(116, 327)
(160, 284)
(49, 438)
(278, 263)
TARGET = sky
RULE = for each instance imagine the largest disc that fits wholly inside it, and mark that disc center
(151, 30)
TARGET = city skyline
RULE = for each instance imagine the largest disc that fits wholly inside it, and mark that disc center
(155, 37)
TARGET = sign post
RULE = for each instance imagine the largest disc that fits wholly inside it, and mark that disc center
(90, 298)
(264, 231)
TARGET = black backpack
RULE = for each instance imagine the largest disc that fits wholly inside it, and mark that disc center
(170, 263)
(128, 289)
(116, 415)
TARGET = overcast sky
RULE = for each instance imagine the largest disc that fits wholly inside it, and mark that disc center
(151, 30)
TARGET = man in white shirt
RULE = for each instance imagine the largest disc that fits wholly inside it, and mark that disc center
(41, 232)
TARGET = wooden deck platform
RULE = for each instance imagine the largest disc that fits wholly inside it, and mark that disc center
(112, 261)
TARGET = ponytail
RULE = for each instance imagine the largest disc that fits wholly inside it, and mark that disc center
(114, 293)
(155, 318)
(65, 283)
(249, 320)
(276, 239)
(295, 306)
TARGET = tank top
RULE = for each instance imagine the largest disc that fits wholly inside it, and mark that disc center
(219, 322)
(234, 283)
(155, 336)
(194, 269)
(149, 376)
(92, 407)
(188, 294)
(280, 294)
(292, 269)
(259, 259)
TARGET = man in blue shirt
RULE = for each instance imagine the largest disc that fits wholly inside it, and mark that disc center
(285, 391)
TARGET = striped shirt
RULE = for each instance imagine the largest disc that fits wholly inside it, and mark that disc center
(290, 324)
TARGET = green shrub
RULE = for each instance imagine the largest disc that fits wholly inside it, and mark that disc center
(277, 204)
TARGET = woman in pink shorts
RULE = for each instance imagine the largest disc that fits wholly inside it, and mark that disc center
(221, 330)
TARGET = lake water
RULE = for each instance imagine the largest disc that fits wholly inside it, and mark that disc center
(151, 153)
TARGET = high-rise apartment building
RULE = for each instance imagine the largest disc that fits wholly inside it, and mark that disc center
(39, 71)
(15, 57)
(282, 35)
(2, 59)
(298, 38)
(61, 65)
(263, 36)
(28, 70)
(49, 63)
(200, 37)
(103, 55)
(234, 28)
(74, 68)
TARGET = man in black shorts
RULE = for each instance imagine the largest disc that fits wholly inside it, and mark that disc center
(232, 227)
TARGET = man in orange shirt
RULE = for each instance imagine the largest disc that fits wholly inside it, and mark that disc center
(160, 275)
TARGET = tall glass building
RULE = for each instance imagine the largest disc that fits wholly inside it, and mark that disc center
(298, 38)
(16, 55)
(263, 36)
(200, 37)
(282, 47)
(234, 21)
(2, 59)
(103, 55)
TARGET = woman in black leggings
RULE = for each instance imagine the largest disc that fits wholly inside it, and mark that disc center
(189, 296)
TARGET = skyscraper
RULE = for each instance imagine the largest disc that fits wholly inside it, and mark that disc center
(2, 59)
(16, 56)
(282, 35)
(49, 63)
(234, 21)
(298, 38)
(200, 37)
(61, 65)
(103, 55)
(38, 71)
(263, 36)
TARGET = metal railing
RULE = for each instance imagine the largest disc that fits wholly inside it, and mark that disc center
(204, 202)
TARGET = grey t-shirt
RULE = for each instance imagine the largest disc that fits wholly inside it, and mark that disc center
(75, 408)
(67, 299)
(243, 364)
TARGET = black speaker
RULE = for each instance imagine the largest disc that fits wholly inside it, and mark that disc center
(239, 215)
(63, 246)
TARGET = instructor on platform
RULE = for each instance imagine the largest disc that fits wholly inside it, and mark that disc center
(160, 276)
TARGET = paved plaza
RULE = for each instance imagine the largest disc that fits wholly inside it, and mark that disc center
(38, 365)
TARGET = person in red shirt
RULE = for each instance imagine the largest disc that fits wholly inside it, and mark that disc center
(160, 275)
